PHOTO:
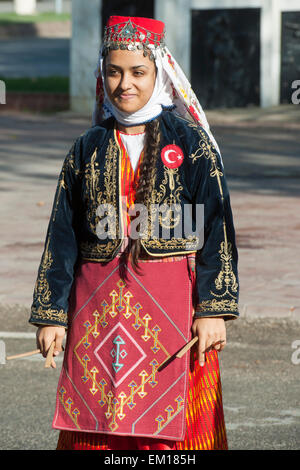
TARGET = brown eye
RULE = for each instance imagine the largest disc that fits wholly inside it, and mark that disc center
(112, 72)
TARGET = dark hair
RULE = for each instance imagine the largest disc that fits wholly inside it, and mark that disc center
(146, 180)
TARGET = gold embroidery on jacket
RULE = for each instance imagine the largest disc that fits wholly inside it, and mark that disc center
(69, 163)
(41, 290)
(168, 204)
(96, 251)
(215, 305)
(188, 243)
(205, 148)
(61, 185)
(92, 175)
(226, 279)
(107, 198)
(42, 293)
(50, 314)
(208, 151)
(172, 202)
(72, 165)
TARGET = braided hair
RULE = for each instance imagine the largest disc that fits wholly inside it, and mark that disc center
(144, 185)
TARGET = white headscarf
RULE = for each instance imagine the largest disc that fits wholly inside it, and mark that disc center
(172, 89)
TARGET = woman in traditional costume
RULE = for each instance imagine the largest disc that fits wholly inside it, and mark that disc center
(132, 291)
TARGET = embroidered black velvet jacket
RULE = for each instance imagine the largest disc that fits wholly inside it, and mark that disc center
(90, 179)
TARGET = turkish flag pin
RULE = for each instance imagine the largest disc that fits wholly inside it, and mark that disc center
(172, 156)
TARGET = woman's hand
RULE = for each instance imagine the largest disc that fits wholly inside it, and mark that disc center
(45, 335)
(211, 334)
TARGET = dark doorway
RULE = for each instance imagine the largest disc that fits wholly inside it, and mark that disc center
(225, 57)
(290, 54)
(143, 8)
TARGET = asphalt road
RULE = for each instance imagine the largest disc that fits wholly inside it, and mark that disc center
(260, 375)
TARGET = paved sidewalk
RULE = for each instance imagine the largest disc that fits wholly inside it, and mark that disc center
(262, 162)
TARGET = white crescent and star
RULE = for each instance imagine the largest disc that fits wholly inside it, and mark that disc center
(172, 156)
(167, 153)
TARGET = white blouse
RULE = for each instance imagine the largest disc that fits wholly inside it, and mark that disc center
(134, 144)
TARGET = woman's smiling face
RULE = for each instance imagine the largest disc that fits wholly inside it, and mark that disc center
(129, 79)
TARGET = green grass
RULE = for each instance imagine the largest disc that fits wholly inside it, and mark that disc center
(39, 18)
(31, 85)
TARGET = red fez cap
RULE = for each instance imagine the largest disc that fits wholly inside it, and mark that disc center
(127, 32)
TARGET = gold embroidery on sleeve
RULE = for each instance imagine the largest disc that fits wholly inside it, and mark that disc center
(226, 279)
(61, 185)
(204, 149)
(215, 305)
(68, 163)
(42, 293)
(208, 151)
